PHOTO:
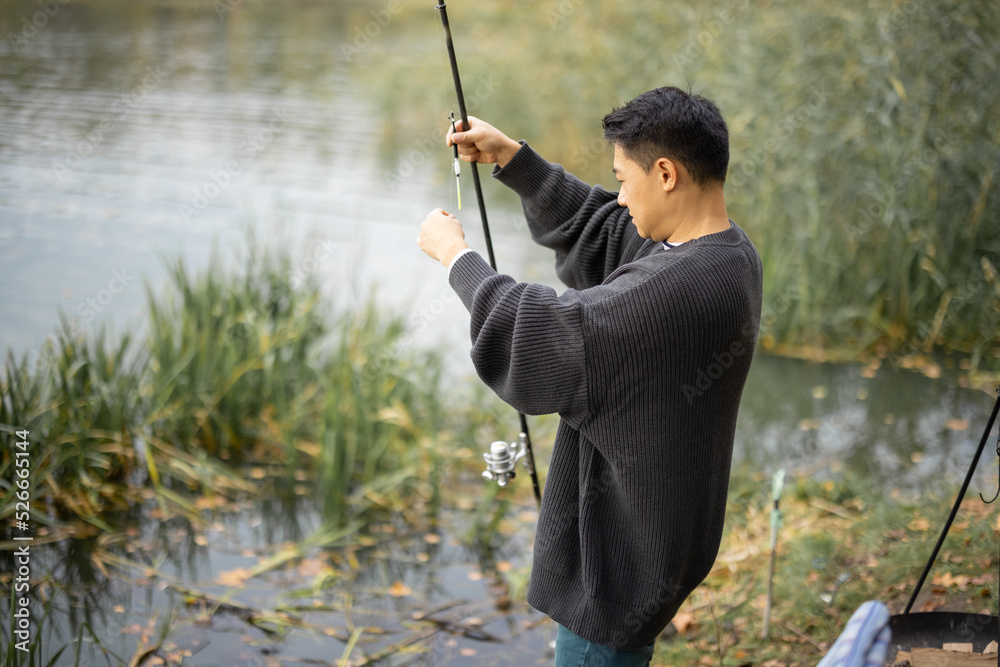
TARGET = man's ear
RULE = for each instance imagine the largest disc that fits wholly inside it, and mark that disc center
(668, 172)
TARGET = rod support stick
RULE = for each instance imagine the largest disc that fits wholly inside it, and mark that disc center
(958, 503)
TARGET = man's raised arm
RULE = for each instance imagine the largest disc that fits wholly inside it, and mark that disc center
(591, 234)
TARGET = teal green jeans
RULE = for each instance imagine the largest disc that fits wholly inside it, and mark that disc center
(575, 651)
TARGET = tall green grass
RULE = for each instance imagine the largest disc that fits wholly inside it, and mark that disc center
(250, 365)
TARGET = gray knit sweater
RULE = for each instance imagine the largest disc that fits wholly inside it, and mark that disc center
(644, 358)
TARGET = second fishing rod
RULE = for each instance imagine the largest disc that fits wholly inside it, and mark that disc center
(502, 458)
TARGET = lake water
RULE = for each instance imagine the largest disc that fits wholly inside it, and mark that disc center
(131, 131)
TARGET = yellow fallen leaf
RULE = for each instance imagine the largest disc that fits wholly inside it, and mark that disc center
(809, 425)
(399, 589)
(475, 575)
(467, 652)
(234, 577)
(432, 538)
(919, 523)
(309, 567)
(683, 621)
(504, 566)
(957, 424)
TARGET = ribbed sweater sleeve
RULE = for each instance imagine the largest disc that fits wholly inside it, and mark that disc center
(527, 343)
(591, 234)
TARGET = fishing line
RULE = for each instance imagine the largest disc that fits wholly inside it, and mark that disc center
(454, 188)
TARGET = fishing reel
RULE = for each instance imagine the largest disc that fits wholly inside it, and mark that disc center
(503, 457)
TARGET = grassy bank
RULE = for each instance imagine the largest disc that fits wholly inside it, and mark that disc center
(841, 544)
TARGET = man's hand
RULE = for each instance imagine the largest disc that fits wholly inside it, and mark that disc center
(441, 236)
(483, 143)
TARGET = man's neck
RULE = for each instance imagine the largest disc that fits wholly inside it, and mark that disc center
(708, 216)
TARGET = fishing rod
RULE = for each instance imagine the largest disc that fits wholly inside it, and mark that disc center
(502, 458)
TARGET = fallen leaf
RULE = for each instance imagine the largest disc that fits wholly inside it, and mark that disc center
(467, 652)
(309, 567)
(432, 538)
(234, 577)
(258, 473)
(957, 424)
(504, 566)
(919, 523)
(931, 605)
(399, 589)
(475, 575)
(683, 621)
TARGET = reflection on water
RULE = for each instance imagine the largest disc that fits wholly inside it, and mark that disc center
(416, 593)
(897, 429)
(129, 129)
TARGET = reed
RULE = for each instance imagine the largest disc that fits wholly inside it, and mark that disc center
(235, 367)
(862, 149)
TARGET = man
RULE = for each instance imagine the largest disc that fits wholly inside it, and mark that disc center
(644, 358)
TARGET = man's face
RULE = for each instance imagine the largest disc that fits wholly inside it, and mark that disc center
(642, 192)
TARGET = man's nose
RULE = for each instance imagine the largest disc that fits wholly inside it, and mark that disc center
(621, 199)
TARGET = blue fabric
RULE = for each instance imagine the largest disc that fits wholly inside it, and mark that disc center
(864, 641)
(575, 651)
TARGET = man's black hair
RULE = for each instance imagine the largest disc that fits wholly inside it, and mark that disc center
(668, 122)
